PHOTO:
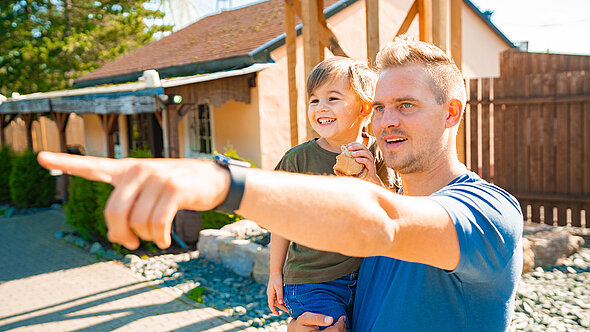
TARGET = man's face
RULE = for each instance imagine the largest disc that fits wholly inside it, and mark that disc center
(407, 120)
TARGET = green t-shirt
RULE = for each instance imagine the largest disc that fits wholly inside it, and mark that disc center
(306, 265)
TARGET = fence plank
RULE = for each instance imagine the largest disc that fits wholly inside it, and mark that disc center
(474, 126)
(548, 167)
(522, 89)
(576, 152)
(536, 211)
(586, 140)
(485, 130)
(499, 139)
(510, 137)
(536, 137)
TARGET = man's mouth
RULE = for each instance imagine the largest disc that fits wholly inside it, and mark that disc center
(394, 142)
(324, 121)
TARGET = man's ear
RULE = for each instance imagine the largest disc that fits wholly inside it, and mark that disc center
(455, 111)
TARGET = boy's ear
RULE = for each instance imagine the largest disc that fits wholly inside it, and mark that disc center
(366, 110)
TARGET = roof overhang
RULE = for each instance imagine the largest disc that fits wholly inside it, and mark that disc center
(129, 98)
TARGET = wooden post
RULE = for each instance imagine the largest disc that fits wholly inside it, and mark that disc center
(61, 120)
(457, 54)
(109, 125)
(372, 20)
(28, 118)
(412, 12)
(4, 121)
(291, 41)
(174, 150)
(440, 9)
(311, 49)
(425, 20)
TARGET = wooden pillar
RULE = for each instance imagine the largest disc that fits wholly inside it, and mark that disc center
(440, 9)
(28, 118)
(372, 19)
(311, 49)
(5, 120)
(457, 54)
(61, 120)
(291, 41)
(173, 119)
(109, 126)
(425, 20)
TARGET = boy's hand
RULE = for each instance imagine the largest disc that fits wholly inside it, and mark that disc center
(363, 156)
(274, 291)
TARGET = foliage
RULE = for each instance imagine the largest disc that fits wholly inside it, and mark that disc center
(196, 294)
(30, 184)
(229, 151)
(85, 205)
(6, 157)
(45, 44)
(140, 153)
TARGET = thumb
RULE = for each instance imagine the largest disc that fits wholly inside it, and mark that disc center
(310, 318)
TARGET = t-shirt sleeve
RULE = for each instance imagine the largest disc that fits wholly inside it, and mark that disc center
(488, 222)
(287, 164)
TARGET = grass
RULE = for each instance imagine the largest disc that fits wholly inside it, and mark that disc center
(196, 294)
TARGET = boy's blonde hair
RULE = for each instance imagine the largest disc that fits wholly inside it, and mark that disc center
(361, 78)
(446, 79)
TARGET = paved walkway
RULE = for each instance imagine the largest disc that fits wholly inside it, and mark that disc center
(48, 285)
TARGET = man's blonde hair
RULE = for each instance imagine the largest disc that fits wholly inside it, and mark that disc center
(446, 79)
(361, 78)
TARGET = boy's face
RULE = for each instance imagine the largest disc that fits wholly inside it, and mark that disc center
(408, 122)
(334, 111)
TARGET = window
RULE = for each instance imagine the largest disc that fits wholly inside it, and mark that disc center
(199, 121)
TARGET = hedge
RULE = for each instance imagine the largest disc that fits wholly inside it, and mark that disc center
(30, 184)
(6, 157)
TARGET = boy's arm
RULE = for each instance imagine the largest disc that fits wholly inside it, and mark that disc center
(278, 252)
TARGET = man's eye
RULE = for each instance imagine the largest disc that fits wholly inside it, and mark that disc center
(406, 105)
(378, 108)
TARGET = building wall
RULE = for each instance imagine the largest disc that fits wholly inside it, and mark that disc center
(94, 139)
(45, 134)
(237, 124)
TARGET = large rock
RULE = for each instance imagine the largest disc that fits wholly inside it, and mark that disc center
(243, 229)
(187, 225)
(238, 255)
(208, 244)
(547, 244)
(261, 265)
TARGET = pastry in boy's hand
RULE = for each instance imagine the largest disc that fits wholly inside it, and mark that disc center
(348, 166)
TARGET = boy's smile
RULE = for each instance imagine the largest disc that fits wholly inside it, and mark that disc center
(334, 112)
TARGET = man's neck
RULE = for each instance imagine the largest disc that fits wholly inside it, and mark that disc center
(432, 180)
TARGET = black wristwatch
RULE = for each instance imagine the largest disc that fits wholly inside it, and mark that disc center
(237, 173)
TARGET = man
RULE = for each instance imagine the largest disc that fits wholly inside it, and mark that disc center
(445, 256)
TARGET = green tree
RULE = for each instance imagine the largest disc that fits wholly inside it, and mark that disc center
(46, 44)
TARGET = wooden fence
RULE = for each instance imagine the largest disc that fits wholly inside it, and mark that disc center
(530, 134)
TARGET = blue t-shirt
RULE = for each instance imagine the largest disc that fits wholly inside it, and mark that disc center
(395, 295)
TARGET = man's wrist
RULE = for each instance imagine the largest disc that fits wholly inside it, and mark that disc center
(237, 184)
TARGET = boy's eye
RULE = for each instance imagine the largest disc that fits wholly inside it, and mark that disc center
(313, 101)
(334, 98)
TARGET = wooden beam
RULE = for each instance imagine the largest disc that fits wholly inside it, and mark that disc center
(173, 140)
(311, 49)
(109, 125)
(291, 41)
(372, 20)
(440, 9)
(28, 118)
(425, 19)
(409, 19)
(327, 36)
(457, 55)
(61, 120)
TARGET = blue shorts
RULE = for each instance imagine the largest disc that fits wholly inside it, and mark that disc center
(332, 298)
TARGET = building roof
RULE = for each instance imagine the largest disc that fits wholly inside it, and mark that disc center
(228, 40)
(225, 41)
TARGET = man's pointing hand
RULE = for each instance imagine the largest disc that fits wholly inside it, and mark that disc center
(148, 192)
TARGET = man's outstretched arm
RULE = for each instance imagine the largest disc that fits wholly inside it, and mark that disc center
(343, 215)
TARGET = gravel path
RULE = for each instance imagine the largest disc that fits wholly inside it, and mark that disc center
(553, 298)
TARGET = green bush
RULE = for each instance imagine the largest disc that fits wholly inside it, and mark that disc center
(140, 153)
(6, 157)
(84, 209)
(30, 184)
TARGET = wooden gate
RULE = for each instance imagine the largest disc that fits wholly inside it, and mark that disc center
(528, 131)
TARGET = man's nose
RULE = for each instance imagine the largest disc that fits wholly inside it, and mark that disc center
(387, 118)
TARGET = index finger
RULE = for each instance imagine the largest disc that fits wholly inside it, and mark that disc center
(91, 168)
